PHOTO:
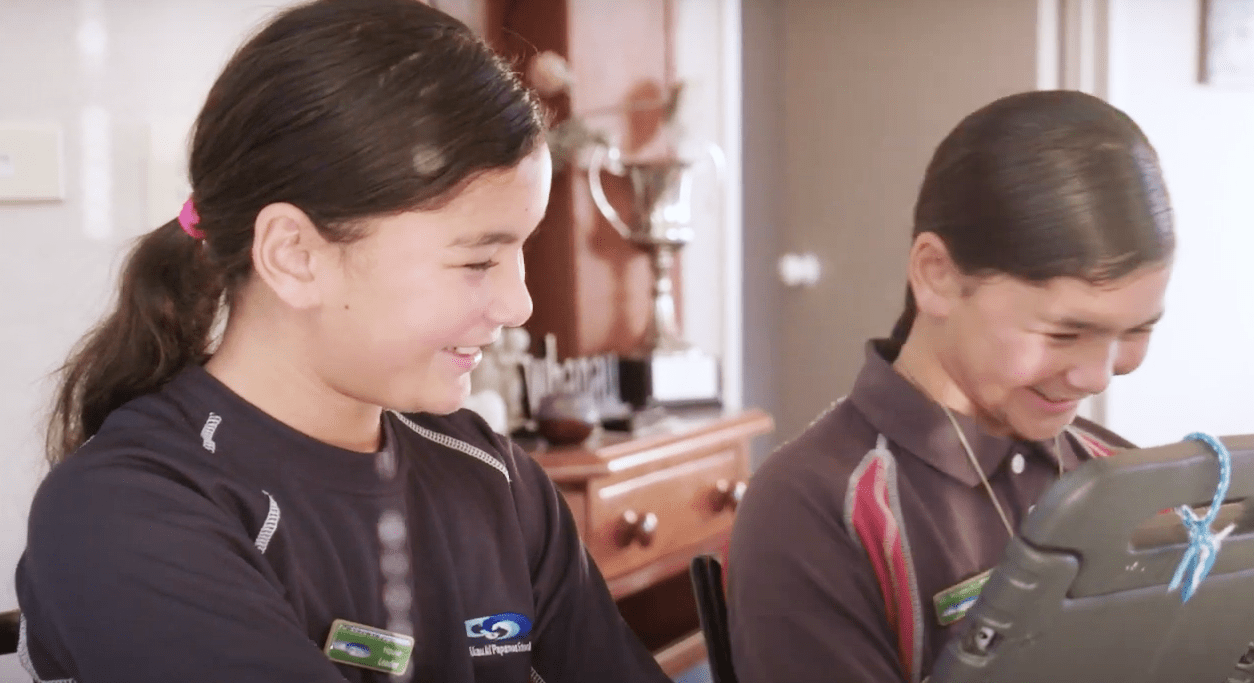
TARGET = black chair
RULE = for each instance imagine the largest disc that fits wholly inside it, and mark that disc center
(707, 585)
(8, 632)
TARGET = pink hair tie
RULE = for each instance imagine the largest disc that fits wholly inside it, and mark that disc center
(188, 218)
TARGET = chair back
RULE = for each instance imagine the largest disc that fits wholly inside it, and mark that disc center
(8, 632)
(707, 585)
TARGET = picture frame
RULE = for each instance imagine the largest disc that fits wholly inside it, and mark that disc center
(1227, 43)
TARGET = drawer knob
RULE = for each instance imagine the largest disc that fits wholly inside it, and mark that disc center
(638, 528)
(730, 493)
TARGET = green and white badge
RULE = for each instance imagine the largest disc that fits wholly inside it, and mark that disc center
(954, 602)
(368, 647)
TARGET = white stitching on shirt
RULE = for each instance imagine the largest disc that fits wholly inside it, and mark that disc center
(835, 404)
(535, 676)
(206, 432)
(23, 655)
(270, 526)
(455, 444)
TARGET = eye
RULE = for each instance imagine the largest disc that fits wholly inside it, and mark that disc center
(1138, 332)
(482, 265)
(1063, 337)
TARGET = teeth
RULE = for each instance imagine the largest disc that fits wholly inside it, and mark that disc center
(466, 350)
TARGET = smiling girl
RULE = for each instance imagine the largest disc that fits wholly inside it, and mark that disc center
(1043, 241)
(300, 498)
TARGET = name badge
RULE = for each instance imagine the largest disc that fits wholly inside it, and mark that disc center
(954, 602)
(368, 647)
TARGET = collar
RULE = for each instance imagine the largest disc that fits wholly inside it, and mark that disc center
(908, 418)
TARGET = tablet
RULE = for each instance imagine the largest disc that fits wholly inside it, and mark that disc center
(1081, 596)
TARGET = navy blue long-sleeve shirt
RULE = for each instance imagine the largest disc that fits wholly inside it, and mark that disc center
(195, 538)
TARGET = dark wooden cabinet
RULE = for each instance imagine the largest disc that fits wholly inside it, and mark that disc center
(645, 505)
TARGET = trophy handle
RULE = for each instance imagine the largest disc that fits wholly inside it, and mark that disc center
(596, 164)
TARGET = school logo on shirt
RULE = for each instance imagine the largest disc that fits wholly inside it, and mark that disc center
(497, 629)
(504, 626)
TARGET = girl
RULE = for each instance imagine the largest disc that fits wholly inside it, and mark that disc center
(1042, 248)
(300, 498)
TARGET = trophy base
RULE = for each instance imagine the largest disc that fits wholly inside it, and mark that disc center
(671, 380)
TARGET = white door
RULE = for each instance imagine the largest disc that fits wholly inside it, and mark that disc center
(844, 102)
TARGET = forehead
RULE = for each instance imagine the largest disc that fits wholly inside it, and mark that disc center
(1128, 302)
(512, 199)
(495, 206)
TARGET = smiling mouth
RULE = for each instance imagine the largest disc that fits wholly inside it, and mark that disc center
(464, 350)
(1057, 401)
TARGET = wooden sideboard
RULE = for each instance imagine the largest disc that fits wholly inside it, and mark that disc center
(646, 504)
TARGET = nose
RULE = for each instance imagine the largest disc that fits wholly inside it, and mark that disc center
(512, 305)
(1092, 372)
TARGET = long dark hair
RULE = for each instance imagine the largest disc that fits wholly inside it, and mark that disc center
(1041, 185)
(347, 109)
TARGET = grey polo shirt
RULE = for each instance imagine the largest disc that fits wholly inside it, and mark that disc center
(847, 533)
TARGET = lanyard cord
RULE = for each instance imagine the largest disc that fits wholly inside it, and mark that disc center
(1001, 512)
(975, 464)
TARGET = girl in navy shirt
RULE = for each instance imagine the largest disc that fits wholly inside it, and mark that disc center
(261, 472)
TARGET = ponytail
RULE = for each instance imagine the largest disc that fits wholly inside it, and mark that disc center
(164, 316)
(901, 329)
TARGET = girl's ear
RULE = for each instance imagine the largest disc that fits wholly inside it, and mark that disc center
(935, 279)
(286, 250)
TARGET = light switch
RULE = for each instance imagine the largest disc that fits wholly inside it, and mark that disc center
(30, 162)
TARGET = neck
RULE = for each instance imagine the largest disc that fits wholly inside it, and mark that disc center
(920, 363)
(271, 369)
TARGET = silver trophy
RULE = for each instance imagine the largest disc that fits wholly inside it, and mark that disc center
(666, 370)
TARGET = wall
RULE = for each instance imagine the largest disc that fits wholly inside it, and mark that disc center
(1197, 375)
(114, 76)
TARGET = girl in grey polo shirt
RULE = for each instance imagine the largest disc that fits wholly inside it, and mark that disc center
(1043, 241)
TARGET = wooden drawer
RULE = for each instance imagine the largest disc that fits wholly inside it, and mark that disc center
(633, 522)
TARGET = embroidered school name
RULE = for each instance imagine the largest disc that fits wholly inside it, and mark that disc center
(494, 649)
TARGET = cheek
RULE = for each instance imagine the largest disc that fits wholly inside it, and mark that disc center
(401, 316)
(1129, 355)
(449, 313)
(1022, 360)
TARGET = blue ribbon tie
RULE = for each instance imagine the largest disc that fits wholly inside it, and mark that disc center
(1204, 544)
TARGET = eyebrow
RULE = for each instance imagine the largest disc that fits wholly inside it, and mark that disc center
(485, 239)
(1076, 325)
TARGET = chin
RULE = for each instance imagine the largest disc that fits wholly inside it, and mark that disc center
(436, 405)
(438, 397)
(1042, 430)
(449, 403)
(442, 407)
